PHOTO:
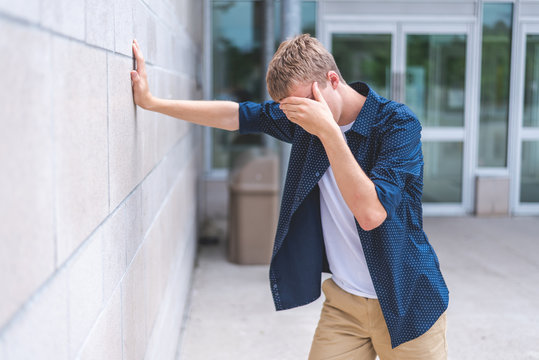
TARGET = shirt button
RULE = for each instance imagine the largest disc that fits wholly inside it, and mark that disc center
(317, 174)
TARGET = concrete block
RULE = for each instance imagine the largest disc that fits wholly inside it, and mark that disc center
(145, 31)
(80, 132)
(123, 26)
(40, 330)
(164, 340)
(182, 9)
(165, 13)
(3, 351)
(26, 154)
(85, 290)
(125, 138)
(105, 338)
(183, 47)
(177, 213)
(100, 23)
(64, 16)
(492, 196)
(158, 183)
(122, 235)
(28, 10)
(164, 47)
(148, 126)
(134, 309)
(153, 272)
(154, 191)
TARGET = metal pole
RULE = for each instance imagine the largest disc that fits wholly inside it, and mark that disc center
(290, 18)
(268, 48)
(269, 40)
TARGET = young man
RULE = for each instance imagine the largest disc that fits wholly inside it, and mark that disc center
(351, 205)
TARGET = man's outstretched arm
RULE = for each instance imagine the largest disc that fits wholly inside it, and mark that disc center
(217, 114)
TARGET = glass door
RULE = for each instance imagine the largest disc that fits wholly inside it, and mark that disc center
(436, 65)
(364, 52)
(526, 196)
(365, 57)
(427, 69)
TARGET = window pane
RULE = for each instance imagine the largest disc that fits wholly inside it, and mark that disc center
(442, 172)
(531, 86)
(435, 78)
(529, 181)
(495, 72)
(237, 64)
(364, 57)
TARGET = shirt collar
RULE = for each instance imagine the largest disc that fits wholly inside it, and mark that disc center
(365, 119)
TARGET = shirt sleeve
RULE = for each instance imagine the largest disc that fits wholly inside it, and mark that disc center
(399, 164)
(266, 118)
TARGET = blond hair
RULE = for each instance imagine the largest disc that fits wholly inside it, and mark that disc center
(302, 59)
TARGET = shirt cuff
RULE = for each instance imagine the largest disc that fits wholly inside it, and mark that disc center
(389, 196)
(249, 117)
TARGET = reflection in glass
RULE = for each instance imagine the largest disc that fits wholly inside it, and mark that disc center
(364, 57)
(529, 180)
(495, 78)
(435, 78)
(442, 172)
(237, 63)
(531, 85)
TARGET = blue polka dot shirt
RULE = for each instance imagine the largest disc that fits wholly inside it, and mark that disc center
(385, 139)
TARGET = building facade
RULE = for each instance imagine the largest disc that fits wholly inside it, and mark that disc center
(468, 69)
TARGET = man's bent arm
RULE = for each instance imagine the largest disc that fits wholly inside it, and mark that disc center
(218, 114)
(356, 187)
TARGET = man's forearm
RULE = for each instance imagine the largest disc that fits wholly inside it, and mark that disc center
(217, 114)
(356, 188)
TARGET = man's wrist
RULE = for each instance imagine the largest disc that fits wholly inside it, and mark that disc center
(150, 103)
(331, 133)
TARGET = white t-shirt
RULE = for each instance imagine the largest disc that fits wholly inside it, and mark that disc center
(343, 246)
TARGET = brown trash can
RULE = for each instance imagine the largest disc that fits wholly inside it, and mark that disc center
(254, 208)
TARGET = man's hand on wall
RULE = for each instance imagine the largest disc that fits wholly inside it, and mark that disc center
(141, 91)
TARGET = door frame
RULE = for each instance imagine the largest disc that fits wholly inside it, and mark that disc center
(522, 133)
(399, 29)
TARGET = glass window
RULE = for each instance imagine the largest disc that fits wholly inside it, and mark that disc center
(435, 78)
(531, 85)
(529, 180)
(364, 57)
(495, 78)
(237, 63)
(236, 66)
(443, 172)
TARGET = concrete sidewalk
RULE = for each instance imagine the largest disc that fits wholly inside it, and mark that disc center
(491, 267)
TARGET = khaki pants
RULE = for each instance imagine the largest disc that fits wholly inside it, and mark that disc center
(352, 327)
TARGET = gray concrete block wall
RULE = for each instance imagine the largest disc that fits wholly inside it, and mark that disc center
(98, 197)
